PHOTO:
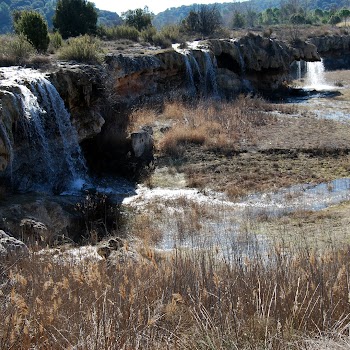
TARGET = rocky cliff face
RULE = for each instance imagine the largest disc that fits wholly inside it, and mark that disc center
(334, 49)
(264, 62)
(331, 45)
(145, 75)
(82, 89)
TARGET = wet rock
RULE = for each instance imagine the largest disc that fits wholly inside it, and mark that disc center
(142, 143)
(11, 247)
(82, 89)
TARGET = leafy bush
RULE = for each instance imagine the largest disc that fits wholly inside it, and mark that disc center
(148, 33)
(119, 32)
(85, 49)
(34, 27)
(171, 32)
(56, 40)
(15, 50)
(160, 40)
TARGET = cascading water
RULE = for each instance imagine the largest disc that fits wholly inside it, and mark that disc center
(299, 70)
(246, 83)
(211, 87)
(51, 158)
(189, 74)
(315, 76)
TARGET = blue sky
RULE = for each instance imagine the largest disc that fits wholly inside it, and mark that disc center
(155, 6)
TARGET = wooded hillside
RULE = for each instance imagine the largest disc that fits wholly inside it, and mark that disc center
(47, 9)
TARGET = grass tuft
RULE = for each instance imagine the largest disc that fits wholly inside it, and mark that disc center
(85, 49)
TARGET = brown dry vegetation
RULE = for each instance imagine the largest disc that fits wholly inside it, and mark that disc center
(220, 125)
(187, 301)
(245, 146)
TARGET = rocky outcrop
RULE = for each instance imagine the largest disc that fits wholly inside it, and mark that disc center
(42, 220)
(142, 144)
(145, 75)
(82, 89)
(330, 45)
(263, 62)
(11, 248)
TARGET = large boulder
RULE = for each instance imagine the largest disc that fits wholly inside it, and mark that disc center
(41, 221)
(11, 248)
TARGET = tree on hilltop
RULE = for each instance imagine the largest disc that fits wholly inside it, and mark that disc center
(139, 18)
(75, 17)
(206, 20)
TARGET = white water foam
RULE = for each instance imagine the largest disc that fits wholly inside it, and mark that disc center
(315, 77)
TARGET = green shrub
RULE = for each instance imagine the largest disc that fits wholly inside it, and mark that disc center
(148, 33)
(14, 50)
(171, 32)
(160, 40)
(119, 32)
(56, 40)
(85, 49)
(34, 27)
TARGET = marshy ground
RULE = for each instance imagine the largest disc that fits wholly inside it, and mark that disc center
(252, 146)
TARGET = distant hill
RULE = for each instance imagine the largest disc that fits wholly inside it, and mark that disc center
(47, 8)
(176, 14)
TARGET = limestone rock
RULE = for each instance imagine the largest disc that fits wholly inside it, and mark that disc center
(81, 87)
(331, 44)
(11, 247)
(145, 75)
(40, 220)
(142, 143)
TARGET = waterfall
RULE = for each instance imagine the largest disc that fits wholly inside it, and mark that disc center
(299, 70)
(50, 157)
(196, 66)
(8, 144)
(189, 74)
(246, 83)
(241, 59)
(69, 136)
(315, 77)
(211, 86)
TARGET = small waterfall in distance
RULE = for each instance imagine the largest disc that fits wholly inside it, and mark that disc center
(53, 160)
(299, 70)
(211, 86)
(189, 74)
(315, 76)
(246, 83)
(208, 84)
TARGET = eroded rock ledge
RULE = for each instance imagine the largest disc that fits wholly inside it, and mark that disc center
(331, 45)
(264, 62)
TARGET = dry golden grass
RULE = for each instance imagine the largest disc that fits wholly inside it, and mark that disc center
(220, 125)
(188, 301)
